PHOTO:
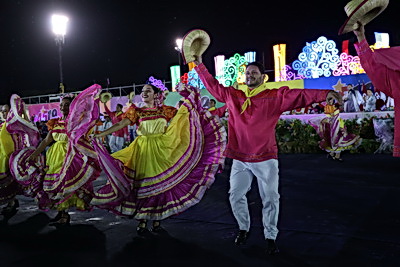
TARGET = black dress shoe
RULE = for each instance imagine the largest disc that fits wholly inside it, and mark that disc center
(157, 229)
(272, 248)
(55, 219)
(142, 231)
(241, 238)
(10, 210)
(64, 220)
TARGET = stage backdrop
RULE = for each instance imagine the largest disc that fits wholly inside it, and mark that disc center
(337, 83)
(44, 112)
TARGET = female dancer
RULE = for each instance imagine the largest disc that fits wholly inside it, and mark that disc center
(169, 165)
(333, 133)
(8, 186)
(71, 163)
(16, 134)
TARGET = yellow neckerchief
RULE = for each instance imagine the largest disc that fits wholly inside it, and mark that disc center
(250, 93)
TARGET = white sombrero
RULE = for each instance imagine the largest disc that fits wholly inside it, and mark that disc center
(363, 11)
(194, 42)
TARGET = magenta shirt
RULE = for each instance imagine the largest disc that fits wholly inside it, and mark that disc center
(251, 135)
(383, 68)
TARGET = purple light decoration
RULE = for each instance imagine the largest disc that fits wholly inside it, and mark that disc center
(287, 74)
(157, 83)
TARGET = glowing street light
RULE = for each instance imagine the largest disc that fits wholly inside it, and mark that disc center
(178, 48)
(59, 23)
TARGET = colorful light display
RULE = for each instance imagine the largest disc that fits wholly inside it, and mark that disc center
(219, 68)
(381, 40)
(191, 65)
(175, 75)
(320, 58)
(194, 80)
(157, 83)
(348, 65)
(288, 74)
(232, 67)
(280, 61)
(250, 56)
(184, 78)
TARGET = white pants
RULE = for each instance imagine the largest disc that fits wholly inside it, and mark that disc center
(267, 174)
(116, 143)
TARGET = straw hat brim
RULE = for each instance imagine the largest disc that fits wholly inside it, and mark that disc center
(196, 43)
(105, 97)
(366, 11)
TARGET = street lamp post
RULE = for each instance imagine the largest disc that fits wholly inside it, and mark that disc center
(59, 23)
(178, 48)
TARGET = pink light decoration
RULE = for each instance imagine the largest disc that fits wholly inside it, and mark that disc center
(348, 65)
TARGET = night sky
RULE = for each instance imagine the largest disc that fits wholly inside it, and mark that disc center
(128, 41)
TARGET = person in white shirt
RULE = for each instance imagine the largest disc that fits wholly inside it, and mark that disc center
(370, 101)
(107, 123)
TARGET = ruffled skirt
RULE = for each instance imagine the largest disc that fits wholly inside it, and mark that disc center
(65, 182)
(169, 172)
(334, 135)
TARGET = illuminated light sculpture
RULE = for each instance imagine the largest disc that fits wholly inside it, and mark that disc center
(191, 65)
(280, 62)
(232, 67)
(175, 75)
(381, 40)
(288, 74)
(345, 47)
(250, 56)
(241, 75)
(184, 78)
(219, 68)
(194, 80)
(266, 78)
(319, 58)
(348, 65)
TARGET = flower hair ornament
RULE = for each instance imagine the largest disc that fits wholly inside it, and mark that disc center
(158, 101)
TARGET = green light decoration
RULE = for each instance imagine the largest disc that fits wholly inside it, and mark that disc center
(232, 68)
(175, 75)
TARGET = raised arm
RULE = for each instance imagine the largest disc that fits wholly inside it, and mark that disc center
(360, 32)
(298, 98)
(216, 89)
(117, 126)
(108, 111)
(376, 71)
(42, 146)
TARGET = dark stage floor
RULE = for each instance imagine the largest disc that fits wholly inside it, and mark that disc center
(332, 214)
